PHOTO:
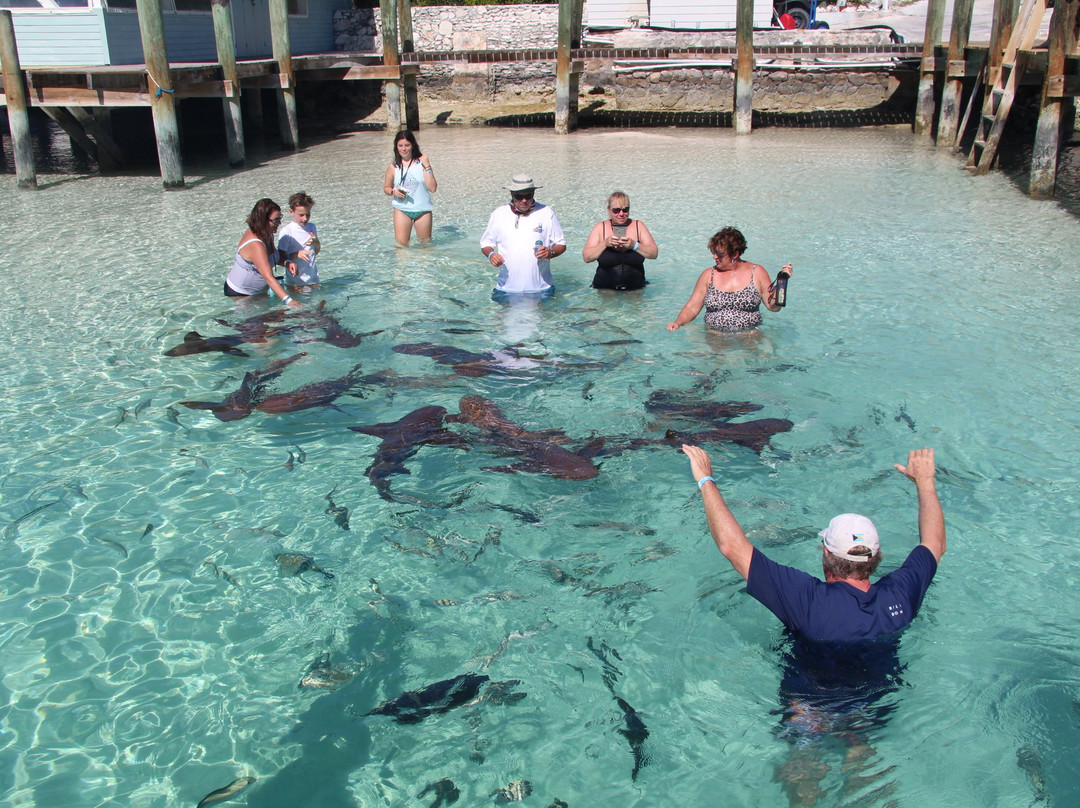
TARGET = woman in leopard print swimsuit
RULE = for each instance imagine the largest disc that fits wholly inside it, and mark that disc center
(732, 290)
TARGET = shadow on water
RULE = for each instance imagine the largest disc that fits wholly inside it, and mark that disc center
(333, 736)
(326, 111)
(1017, 142)
(332, 110)
(595, 116)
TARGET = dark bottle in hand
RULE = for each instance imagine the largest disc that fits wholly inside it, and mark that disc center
(780, 286)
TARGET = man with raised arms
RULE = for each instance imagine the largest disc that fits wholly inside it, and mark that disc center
(840, 663)
(846, 606)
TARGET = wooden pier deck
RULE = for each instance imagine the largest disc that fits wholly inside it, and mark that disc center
(70, 94)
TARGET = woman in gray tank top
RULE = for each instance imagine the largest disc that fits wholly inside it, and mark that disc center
(253, 265)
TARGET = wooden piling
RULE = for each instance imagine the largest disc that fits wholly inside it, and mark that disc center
(98, 122)
(743, 114)
(252, 100)
(226, 53)
(1044, 153)
(408, 81)
(391, 58)
(78, 137)
(565, 92)
(1000, 32)
(17, 110)
(159, 84)
(576, 68)
(926, 106)
(955, 70)
(288, 123)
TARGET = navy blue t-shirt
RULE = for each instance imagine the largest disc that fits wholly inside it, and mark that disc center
(838, 612)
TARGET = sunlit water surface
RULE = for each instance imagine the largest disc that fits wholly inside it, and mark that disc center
(927, 308)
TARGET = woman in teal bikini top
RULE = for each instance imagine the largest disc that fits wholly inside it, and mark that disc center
(409, 183)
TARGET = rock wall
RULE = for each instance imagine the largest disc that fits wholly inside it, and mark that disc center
(706, 86)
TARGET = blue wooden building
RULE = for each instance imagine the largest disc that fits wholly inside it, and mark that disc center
(58, 33)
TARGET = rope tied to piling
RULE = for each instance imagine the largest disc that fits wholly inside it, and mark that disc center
(160, 89)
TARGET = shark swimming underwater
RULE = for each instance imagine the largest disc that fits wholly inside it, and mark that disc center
(539, 452)
(401, 439)
(240, 403)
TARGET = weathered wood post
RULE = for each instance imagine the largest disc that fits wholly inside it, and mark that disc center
(282, 51)
(17, 110)
(63, 118)
(226, 54)
(955, 70)
(253, 106)
(1044, 153)
(391, 58)
(575, 67)
(408, 81)
(925, 106)
(159, 83)
(110, 156)
(1000, 32)
(743, 114)
(565, 85)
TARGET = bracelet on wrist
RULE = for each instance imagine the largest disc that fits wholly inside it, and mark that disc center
(287, 299)
(704, 480)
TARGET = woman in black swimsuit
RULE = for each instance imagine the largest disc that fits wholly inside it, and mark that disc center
(620, 246)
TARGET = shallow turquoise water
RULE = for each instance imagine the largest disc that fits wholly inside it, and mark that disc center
(927, 308)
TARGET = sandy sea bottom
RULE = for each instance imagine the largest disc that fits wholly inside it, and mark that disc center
(153, 648)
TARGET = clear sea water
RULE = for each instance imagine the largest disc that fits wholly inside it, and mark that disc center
(927, 308)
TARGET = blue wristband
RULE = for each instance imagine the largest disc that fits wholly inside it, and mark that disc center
(704, 480)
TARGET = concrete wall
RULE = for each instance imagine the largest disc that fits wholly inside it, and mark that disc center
(622, 85)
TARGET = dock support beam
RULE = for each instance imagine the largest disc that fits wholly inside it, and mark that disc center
(159, 84)
(926, 106)
(98, 122)
(74, 130)
(391, 58)
(226, 54)
(566, 81)
(1044, 153)
(282, 51)
(408, 81)
(743, 114)
(253, 104)
(17, 110)
(955, 70)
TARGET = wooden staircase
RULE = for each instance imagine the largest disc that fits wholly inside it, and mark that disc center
(1001, 86)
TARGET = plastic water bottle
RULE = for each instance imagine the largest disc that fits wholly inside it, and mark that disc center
(538, 245)
(781, 288)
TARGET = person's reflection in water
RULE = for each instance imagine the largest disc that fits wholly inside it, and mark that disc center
(521, 318)
(835, 700)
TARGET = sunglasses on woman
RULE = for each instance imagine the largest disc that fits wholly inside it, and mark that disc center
(620, 210)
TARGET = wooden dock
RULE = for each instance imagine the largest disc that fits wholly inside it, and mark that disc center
(957, 72)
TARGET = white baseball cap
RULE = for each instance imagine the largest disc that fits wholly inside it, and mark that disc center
(847, 531)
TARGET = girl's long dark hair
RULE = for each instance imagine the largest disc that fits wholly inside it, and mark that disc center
(259, 221)
(405, 134)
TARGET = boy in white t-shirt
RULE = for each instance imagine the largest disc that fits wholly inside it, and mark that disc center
(300, 242)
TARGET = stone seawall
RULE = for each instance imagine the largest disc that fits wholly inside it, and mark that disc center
(641, 85)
